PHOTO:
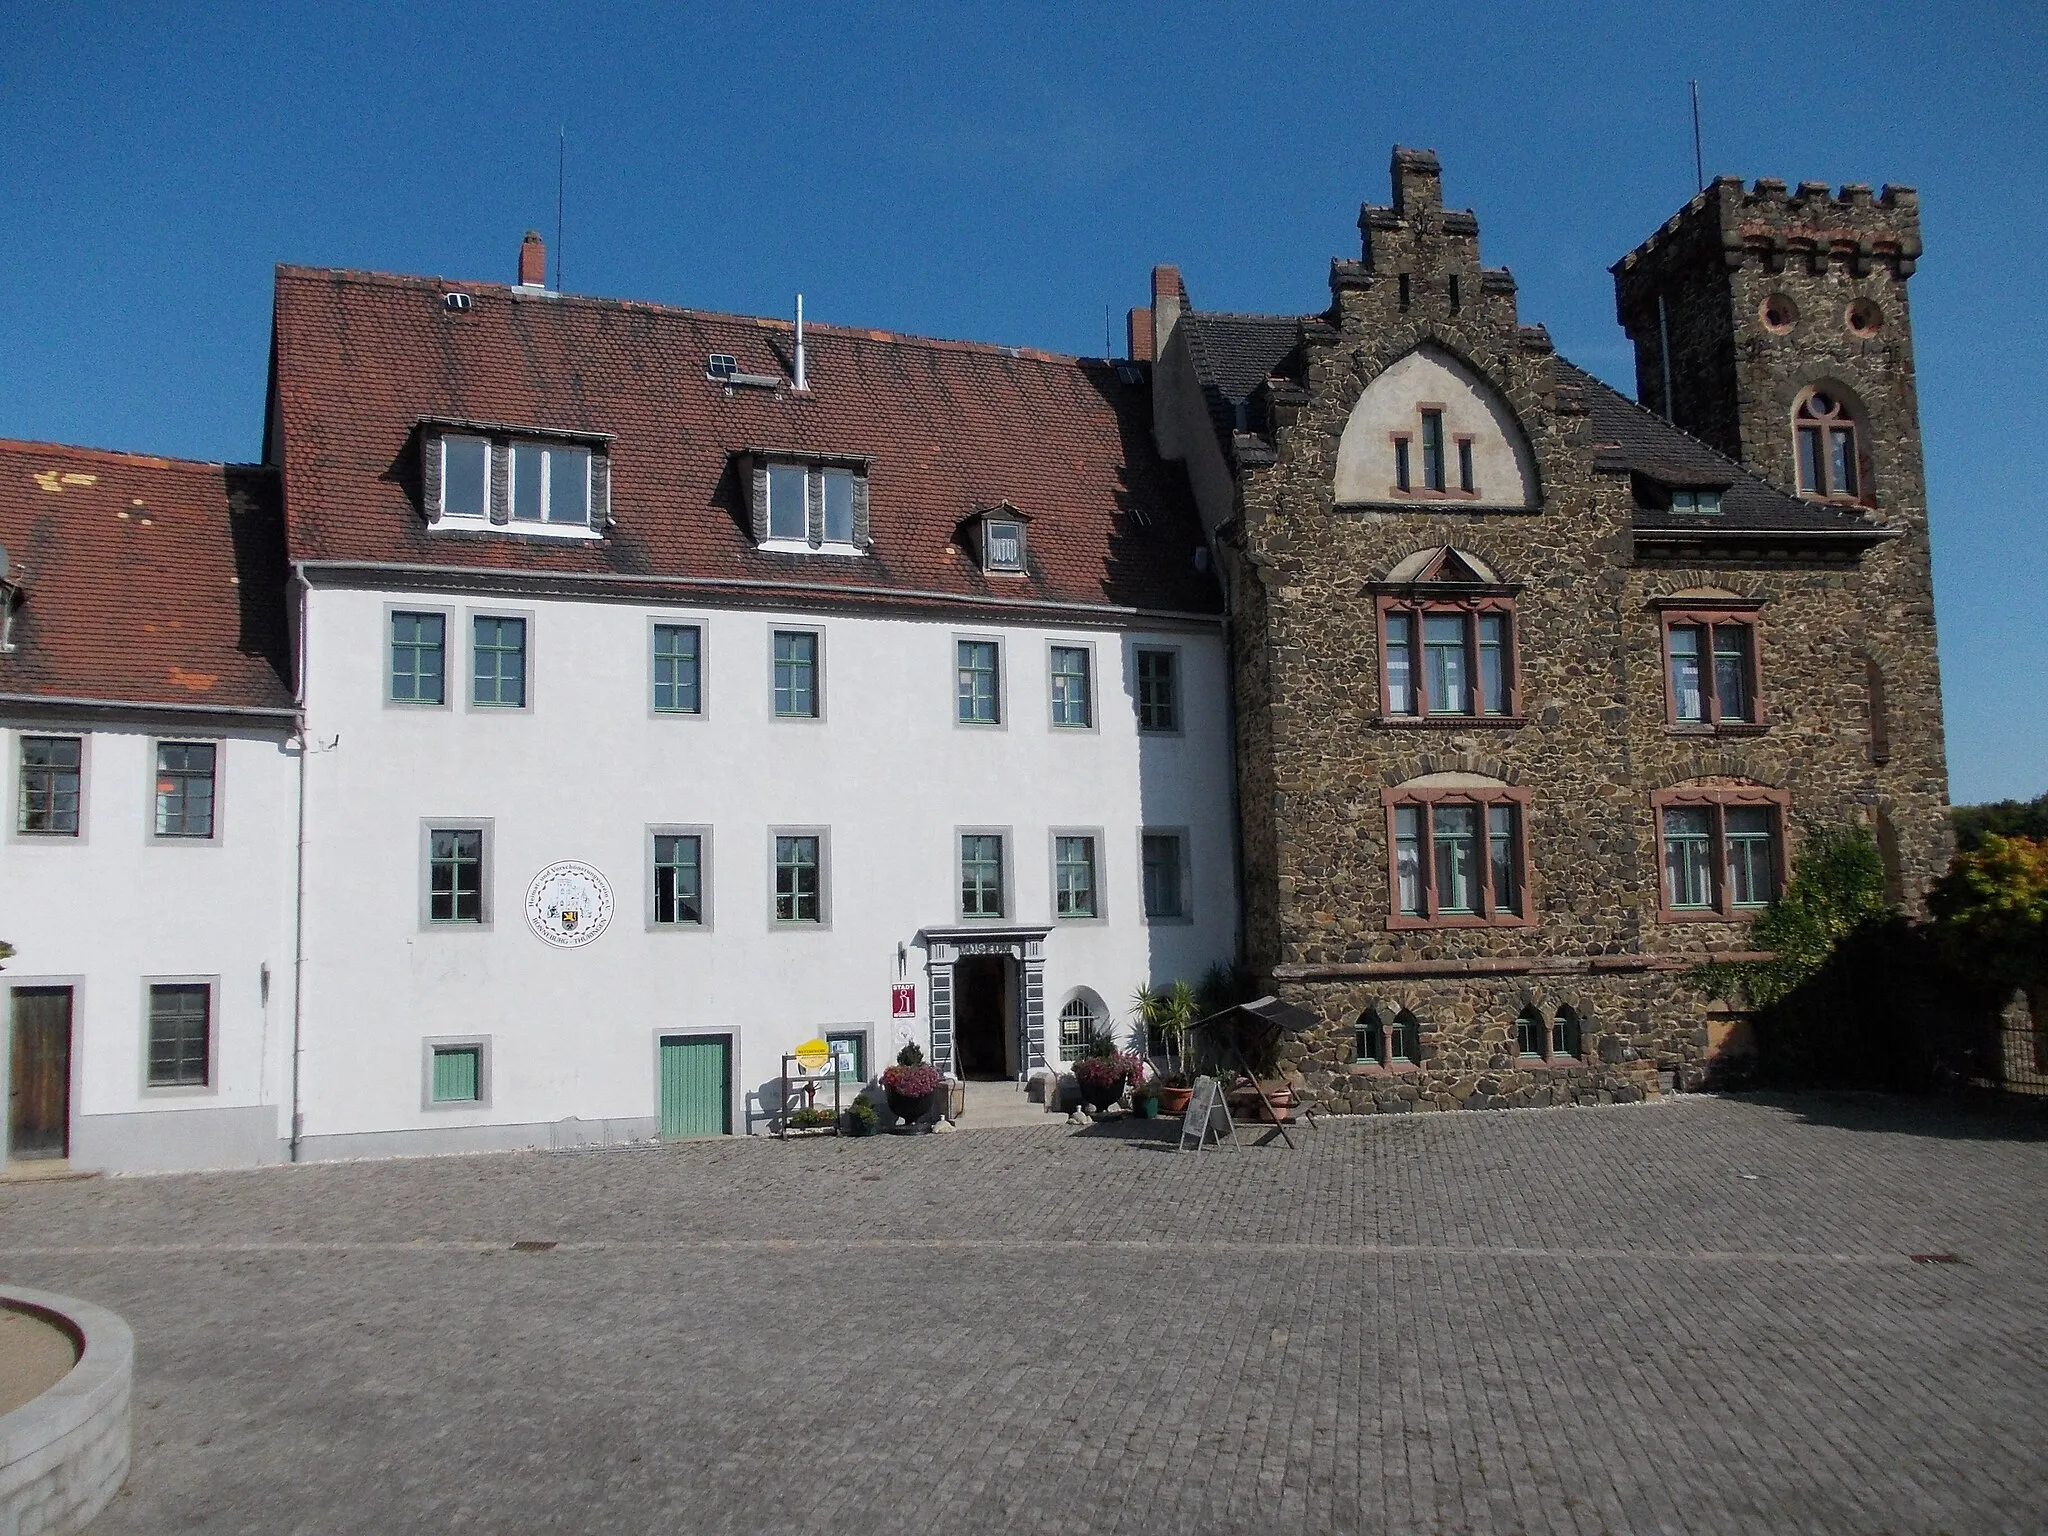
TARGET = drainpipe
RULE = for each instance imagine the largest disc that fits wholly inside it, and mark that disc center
(299, 876)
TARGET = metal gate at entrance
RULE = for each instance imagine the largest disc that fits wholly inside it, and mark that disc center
(949, 985)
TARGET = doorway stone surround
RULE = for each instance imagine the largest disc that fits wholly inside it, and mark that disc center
(1023, 944)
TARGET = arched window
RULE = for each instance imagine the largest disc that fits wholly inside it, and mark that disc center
(1404, 1039)
(1565, 1033)
(1371, 1038)
(1827, 446)
(1080, 1023)
(1531, 1033)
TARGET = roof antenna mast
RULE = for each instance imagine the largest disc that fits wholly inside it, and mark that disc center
(1699, 164)
(801, 384)
(561, 183)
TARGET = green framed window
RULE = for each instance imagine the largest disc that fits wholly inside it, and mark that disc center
(1532, 1035)
(1158, 690)
(458, 1074)
(1073, 862)
(799, 884)
(796, 674)
(51, 771)
(1164, 857)
(981, 874)
(419, 662)
(1455, 854)
(1433, 450)
(849, 1054)
(980, 682)
(1073, 690)
(1689, 857)
(184, 788)
(455, 891)
(180, 1035)
(678, 669)
(1457, 860)
(498, 662)
(1752, 838)
(1443, 658)
(679, 879)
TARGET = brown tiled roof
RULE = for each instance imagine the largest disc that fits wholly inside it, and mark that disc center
(362, 358)
(144, 581)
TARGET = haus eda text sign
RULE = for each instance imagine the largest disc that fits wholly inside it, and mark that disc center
(569, 904)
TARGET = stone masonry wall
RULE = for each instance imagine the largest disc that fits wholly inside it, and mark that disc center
(1593, 744)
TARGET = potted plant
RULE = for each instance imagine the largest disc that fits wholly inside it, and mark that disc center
(1167, 1013)
(912, 1084)
(861, 1119)
(1102, 1073)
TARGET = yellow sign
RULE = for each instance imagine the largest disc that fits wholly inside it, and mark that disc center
(812, 1054)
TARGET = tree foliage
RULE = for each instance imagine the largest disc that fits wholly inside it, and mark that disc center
(1837, 889)
(2000, 818)
(1991, 911)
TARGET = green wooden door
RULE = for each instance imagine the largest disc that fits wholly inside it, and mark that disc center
(696, 1087)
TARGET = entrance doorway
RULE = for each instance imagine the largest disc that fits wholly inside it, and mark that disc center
(984, 1018)
(696, 1085)
(39, 1073)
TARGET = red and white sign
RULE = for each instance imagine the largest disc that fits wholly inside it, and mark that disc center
(903, 1002)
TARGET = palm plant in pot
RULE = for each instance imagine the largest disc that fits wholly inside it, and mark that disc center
(1165, 1014)
(911, 1084)
(1102, 1072)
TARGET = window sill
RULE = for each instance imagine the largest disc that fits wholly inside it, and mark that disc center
(1407, 923)
(806, 547)
(569, 532)
(1451, 722)
(1680, 916)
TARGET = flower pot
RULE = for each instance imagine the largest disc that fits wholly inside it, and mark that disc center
(911, 1110)
(1175, 1101)
(1146, 1104)
(1099, 1096)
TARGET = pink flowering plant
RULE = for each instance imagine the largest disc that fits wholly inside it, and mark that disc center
(912, 1077)
(1106, 1073)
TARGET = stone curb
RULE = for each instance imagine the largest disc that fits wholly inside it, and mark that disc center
(64, 1454)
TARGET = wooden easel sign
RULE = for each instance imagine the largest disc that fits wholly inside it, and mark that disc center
(1208, 1117)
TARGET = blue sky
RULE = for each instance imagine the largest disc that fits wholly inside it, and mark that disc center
(1007, 173)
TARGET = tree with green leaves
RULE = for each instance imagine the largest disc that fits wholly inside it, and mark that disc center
(2000, 818)
(1837, 889)
(1991, 913)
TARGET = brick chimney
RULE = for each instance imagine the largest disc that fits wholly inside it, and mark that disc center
(1138, 335)
(533, 261)
(1169, 298)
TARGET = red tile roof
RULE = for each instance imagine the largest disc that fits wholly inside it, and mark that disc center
(144, 581)
(362, 358)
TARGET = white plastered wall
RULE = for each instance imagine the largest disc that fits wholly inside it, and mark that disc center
(589, 769)
(1504, 472)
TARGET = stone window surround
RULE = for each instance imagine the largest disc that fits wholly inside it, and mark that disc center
(149, 1090)
(486, 917)
(1713, 612)
(527, 669)
(702, 832)
(1849, 414)
(1001, 722)
(1006, 848)
(220, 756)
(1414, 491)
(481, 1044)
(84, 738)
(1418, 600)
(449, 674)
(702, 625)
(1481, 796)
(1384, 1065)
(1550, 1055)
(822, 923)
(1719, 796)
(1052, 853)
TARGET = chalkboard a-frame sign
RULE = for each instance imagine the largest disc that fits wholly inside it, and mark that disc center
(1207, 1115)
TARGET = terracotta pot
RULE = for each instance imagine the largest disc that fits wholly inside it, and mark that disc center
(1175, 1101)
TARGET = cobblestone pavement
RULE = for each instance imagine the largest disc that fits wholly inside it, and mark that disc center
(1700, 1315)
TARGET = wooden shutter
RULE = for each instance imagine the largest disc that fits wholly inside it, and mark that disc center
(600, 490)
(500, 493)
(759, 504)
(430, 475)
(814, 506)
(861, 538)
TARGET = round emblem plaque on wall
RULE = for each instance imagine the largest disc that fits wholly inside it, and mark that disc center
(568, 904)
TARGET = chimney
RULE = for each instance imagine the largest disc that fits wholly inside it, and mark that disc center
(1169, 298)
(1138, 328)
(533, 261)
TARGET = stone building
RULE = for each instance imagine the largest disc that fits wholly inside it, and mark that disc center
(1537, 687)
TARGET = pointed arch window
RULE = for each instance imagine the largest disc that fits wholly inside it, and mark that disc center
(1392, 1044)
(1826, 437)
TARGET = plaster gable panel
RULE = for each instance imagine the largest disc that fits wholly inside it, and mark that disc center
(1504, 472)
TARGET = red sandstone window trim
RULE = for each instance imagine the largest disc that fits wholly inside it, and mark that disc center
(1488, 912)
(1717, 798)
(1821, 468)
(1410, 468)
(1413, 607)
(1709, 617)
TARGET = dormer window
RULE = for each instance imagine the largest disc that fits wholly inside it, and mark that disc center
(1003, 538)
(816, 506)
(466, 477)
(1702, 502)
(512, 480)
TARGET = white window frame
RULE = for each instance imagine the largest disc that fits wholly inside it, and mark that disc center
(470, 519)
(801, 544)
(544, 528)
(988, 545)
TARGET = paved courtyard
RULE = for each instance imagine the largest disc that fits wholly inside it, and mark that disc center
(1701, 1315)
